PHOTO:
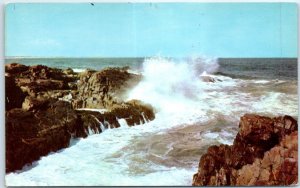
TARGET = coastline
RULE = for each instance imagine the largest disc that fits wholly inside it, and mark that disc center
(41, 99)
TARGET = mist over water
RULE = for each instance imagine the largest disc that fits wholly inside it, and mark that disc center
(191, 115)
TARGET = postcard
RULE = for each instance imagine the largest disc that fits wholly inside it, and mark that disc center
(151, 94)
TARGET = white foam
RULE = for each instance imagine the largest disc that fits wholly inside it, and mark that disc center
(133, 72)
(143, 115)
(93, 109)
(225, 141)
(261, 81)
(122, 122)
(90, 131)
(211, 135)
(79, 70)
(108, 124)
(102, 127)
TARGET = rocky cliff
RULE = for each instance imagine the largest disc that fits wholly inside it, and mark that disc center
(44, 108)
(264, 152)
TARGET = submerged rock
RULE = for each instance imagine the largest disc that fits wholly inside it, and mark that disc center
(262, 152)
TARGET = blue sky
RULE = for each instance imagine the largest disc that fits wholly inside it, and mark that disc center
(151, 29)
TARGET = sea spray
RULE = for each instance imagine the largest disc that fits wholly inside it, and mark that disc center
(174, 87)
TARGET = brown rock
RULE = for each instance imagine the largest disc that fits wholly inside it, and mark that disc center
(131, 112)
(134, 112)
(102, 89)
(264, 152)
(31, 103)
(30, 134)
(44, 120)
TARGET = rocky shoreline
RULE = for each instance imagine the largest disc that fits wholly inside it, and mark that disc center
(47, 107)
(43, 108)
(264, 153)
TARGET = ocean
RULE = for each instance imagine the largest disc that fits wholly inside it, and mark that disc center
(269, 68)
(191, 115)
(80, 64)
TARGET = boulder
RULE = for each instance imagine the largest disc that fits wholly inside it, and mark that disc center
(261, 150)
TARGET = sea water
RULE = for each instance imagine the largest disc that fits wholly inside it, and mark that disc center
(191, 115)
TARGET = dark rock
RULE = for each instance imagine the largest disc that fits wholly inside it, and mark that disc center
(89, 122)
(262, 152)
(34, 87)
(134, 112)
(15, 68)
(40, 101)
(69, 71)
(41, 78)
(279, 166)
(43, 72)
(32, 103)
(14, 96)
(31, 134)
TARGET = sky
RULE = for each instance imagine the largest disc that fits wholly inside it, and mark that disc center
(151, 29)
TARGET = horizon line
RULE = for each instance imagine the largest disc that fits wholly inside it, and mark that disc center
(103, 57)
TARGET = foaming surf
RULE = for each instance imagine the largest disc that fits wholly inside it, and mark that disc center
(191, 115)
(77, 70)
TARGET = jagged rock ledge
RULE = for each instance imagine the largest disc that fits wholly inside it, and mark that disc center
(264, 152)
(42, 108)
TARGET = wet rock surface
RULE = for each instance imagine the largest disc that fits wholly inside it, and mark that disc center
(103, 89)
(31, 134)
(264, 152)
(42, 102)
(96, 122)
